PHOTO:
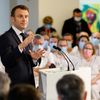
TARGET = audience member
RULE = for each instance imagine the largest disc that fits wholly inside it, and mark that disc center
(15, 54)
(90, 59)
(75, 25)
(4, 85)
(53, 42)
(47, 27)
(95, 39)
(71, 87)
(83, 33)
(69, 38)
(23, 92)
(77, 50)
(46, 60)
(38, 44)
(46, 42)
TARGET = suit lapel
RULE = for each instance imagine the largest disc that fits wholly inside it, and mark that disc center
(14, 35)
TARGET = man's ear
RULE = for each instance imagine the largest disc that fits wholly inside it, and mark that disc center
(85, 95)
(12, 19)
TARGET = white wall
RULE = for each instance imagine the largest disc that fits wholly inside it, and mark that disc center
(4, 15)
(58, 9)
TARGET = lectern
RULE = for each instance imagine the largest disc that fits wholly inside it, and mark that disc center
(49, 77)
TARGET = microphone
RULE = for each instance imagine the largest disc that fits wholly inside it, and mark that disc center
(56, 48)
(65, 55)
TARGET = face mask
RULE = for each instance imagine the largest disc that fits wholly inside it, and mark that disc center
(51, 45)
(77, 19)
(36, 47)
(81, 44)
(87, 53)
(95, 41)
(45, 44)
(69, 44)
(48, 26)
(64, 49)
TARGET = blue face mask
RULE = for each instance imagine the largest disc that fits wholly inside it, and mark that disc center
(48, 26)
(81, 44)
(45, 44)
(95, 41)
(36, 47)
(51, 45)
(64, 49)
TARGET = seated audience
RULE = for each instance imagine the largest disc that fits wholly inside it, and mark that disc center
(47, 27)
(61, 61)
(4, 85)
(71, 87)
(23, 92)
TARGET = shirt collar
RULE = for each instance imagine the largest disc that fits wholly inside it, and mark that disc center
(17, 30)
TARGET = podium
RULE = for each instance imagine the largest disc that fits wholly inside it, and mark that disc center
(49, 77)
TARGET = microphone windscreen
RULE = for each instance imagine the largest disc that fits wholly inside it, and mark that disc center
(56, 48)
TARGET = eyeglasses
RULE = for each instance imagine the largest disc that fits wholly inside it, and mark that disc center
(83, 41)
(88, 48)
(97, 38)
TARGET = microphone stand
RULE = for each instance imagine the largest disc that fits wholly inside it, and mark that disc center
(65, 55)
(62, 53)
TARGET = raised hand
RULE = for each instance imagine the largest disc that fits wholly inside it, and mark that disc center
(27, 40)
(37, 54)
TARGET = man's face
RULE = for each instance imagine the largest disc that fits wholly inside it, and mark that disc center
(68, 38)
(62, 43)
(38, 42)
(20, 19)
(53, 40)
(77, 14)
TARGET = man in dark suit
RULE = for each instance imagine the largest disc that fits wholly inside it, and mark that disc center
(75, 25)
(14, 51)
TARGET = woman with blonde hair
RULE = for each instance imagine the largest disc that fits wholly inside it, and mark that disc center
(47, 27)
(90, 59)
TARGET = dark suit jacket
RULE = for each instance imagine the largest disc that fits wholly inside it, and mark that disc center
(18, 65)
(70, 26)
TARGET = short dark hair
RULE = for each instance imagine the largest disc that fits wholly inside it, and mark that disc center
(70, 87)
(23, 92)
(82, 37)
(68, 34)
(77, 10)
(23, 7)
